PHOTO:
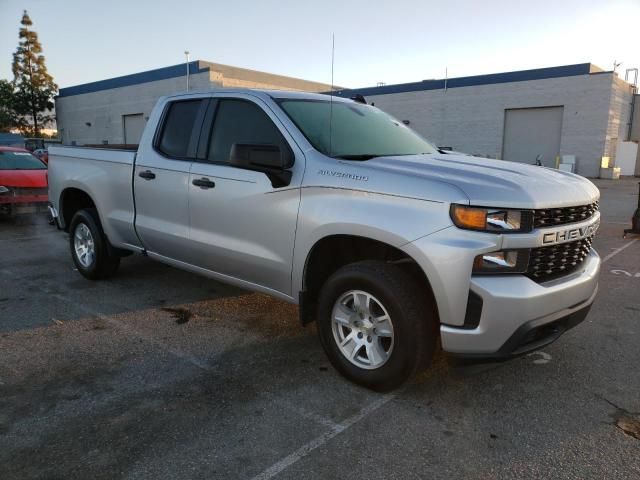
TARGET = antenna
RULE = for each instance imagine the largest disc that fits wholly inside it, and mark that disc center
(616, 64)
(186, 54)
(333, 50)
(446, 78)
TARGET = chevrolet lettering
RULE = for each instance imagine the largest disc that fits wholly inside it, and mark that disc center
(391, 246)
(570, 234)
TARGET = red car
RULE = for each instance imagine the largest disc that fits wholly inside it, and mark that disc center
(42, 154)
(23, 182)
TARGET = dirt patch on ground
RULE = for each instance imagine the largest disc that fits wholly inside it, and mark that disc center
(182, 315)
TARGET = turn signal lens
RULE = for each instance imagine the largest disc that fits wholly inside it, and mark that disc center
(495, 220)
(468, 217)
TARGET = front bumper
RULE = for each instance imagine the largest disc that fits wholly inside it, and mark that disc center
(17, 205)
(26, 199)
(534, 335)
(520, 315)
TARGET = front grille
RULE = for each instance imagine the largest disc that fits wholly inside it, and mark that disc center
(548, 263)
(550, 217)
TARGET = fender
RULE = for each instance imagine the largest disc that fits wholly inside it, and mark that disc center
(387, 219)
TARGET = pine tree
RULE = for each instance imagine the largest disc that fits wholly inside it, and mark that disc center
(35, 88)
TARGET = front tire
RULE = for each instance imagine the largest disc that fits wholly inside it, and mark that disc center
(89, 246)
(375, 324)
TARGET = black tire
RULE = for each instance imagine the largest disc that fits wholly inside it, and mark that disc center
(412, 316)
(104, 264)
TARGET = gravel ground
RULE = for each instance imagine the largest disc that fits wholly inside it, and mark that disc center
(158, 373)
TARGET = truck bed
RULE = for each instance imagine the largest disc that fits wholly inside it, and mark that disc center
(115, 146)
(104, 153)
(105, 174)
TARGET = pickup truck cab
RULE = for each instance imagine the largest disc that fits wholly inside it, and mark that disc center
(389, 245)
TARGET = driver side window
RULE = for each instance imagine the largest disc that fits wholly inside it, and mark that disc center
(241, 121)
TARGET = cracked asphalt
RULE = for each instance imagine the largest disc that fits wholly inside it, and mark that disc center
(158, 373)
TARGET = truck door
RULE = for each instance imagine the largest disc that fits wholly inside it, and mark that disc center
(241, 225)
(161, 179)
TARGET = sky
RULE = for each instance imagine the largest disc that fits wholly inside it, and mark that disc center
(375, 40)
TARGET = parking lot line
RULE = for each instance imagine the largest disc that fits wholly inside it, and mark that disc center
(618, 250)
(132, 331)
(304, 413)
(320, 440)
(129, 330)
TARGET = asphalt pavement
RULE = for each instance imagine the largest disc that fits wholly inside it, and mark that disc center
(158, 373)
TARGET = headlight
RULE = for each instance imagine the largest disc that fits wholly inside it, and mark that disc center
(507, 261)
(495, 220)
(4, 190)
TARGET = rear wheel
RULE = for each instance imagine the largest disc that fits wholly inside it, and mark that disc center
(375, 324)
(89, 246)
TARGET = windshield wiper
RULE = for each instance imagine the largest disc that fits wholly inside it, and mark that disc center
(369, 156)
(357, 157)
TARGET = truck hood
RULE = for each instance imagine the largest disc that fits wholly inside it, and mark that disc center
(494, 183)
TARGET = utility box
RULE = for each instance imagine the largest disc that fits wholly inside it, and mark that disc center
(626, 157)
(612, 173)
(567, 163)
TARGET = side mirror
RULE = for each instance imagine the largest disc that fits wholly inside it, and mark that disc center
(268, 159)
(254, 156)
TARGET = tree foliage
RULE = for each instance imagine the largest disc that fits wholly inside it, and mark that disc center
(34, 87)
(8, 117)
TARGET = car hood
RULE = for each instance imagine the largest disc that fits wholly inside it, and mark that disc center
(23, 178)
(494, 183)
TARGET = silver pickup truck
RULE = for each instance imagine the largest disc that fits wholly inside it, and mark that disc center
(332, 204)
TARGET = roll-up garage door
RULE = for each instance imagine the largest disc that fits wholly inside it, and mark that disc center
(529, 132)
(133, 128)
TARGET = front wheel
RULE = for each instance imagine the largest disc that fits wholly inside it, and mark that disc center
(375, 324)
(89, 246)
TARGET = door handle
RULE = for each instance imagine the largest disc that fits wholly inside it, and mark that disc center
(203, 183)
(147, 175)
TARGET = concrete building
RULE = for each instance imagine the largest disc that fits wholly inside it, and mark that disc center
(115, 111)
(575, 110)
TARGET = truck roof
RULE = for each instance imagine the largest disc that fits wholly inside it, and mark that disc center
(264, 93)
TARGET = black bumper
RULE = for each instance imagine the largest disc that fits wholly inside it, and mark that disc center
(532, 336)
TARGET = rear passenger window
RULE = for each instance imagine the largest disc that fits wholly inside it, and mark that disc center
(178, 128)
(239, 121)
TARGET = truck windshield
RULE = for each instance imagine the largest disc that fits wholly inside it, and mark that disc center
(19, 161)
(355, 131)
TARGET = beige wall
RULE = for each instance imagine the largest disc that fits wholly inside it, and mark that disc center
(104, 109)
(245, 78)
(471, 119)
(619, 116)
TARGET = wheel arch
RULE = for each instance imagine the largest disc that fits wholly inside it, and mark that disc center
(73, 199)
(331, 252)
